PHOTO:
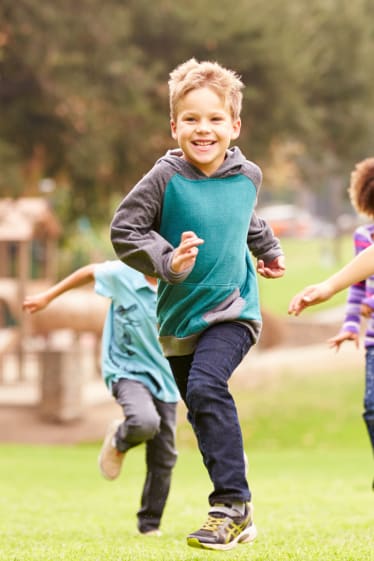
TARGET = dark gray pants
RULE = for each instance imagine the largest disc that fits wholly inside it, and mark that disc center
(152, 421)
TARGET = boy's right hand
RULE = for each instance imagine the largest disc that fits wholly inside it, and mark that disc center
(35, 303)
(185, 254)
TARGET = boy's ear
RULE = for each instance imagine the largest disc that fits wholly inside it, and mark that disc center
(173, 128)
(236, 126)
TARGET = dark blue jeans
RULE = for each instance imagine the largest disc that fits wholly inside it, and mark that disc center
(368, 414)
(202, 379)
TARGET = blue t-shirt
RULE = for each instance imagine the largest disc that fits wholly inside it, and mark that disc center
(130, 346)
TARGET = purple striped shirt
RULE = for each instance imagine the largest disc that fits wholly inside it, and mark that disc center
(362, 292)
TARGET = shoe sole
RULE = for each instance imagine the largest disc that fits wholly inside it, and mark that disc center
(247, 536)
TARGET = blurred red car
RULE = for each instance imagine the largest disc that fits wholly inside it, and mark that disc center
(287, 220)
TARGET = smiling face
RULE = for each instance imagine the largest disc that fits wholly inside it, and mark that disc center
(204, 128)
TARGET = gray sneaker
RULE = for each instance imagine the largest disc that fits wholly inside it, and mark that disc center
(110, 459)
(221, 531)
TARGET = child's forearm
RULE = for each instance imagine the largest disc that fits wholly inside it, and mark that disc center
(360, 268)
(78, 278)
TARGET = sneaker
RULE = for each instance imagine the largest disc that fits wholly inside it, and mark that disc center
(110, 459)
(224, 532)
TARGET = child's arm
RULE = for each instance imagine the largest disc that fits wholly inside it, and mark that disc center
(361, 267)
(266, 248)
(80, 277)
(134, 229)
(311, 295)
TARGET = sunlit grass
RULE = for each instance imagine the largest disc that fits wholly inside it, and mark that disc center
(307, 262)
(310, 473)
(309, 506)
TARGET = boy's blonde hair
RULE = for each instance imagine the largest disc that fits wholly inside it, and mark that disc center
(361, 188)
(192, 75)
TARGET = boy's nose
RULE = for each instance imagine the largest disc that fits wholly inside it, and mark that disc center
(203, 126)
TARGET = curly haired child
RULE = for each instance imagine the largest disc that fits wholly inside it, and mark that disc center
(360, 300)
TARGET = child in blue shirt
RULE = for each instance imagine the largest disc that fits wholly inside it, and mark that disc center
(137, 374)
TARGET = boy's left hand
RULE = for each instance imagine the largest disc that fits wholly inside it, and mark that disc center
(272, 270)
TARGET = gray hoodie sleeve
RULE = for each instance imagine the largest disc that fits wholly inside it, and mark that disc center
(134, 233)
(261, 240)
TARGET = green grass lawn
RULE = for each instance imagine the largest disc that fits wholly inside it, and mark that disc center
(310, 473)
(307, 262)
(309, 506)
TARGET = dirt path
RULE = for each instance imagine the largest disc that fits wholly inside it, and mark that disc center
(20, 421)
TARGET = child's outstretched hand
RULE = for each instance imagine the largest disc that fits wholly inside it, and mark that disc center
(335, 342)
(185, 254)
(272, 270)
(35, 303)
(311, 295)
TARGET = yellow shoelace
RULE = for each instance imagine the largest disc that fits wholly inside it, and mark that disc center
(212, 523)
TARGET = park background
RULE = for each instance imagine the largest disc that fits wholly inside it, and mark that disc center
(84, 114)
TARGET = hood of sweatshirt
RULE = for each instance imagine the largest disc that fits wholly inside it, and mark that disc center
(233, 164)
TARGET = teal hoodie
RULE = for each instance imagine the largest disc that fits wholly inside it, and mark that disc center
(174, 197)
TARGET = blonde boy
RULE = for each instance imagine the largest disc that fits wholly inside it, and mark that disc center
(190, 221)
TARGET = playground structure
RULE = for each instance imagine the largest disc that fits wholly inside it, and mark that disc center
(29, 234)
(27, 226)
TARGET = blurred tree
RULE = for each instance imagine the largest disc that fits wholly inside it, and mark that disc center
(10, 173)
(340, 98)
(84, 99)
(342, 95)
(76, 96)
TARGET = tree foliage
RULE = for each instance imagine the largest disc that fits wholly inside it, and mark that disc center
(83, 86)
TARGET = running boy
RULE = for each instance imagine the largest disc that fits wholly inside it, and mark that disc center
(137, 374)
(189, 222)
(360, 300)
